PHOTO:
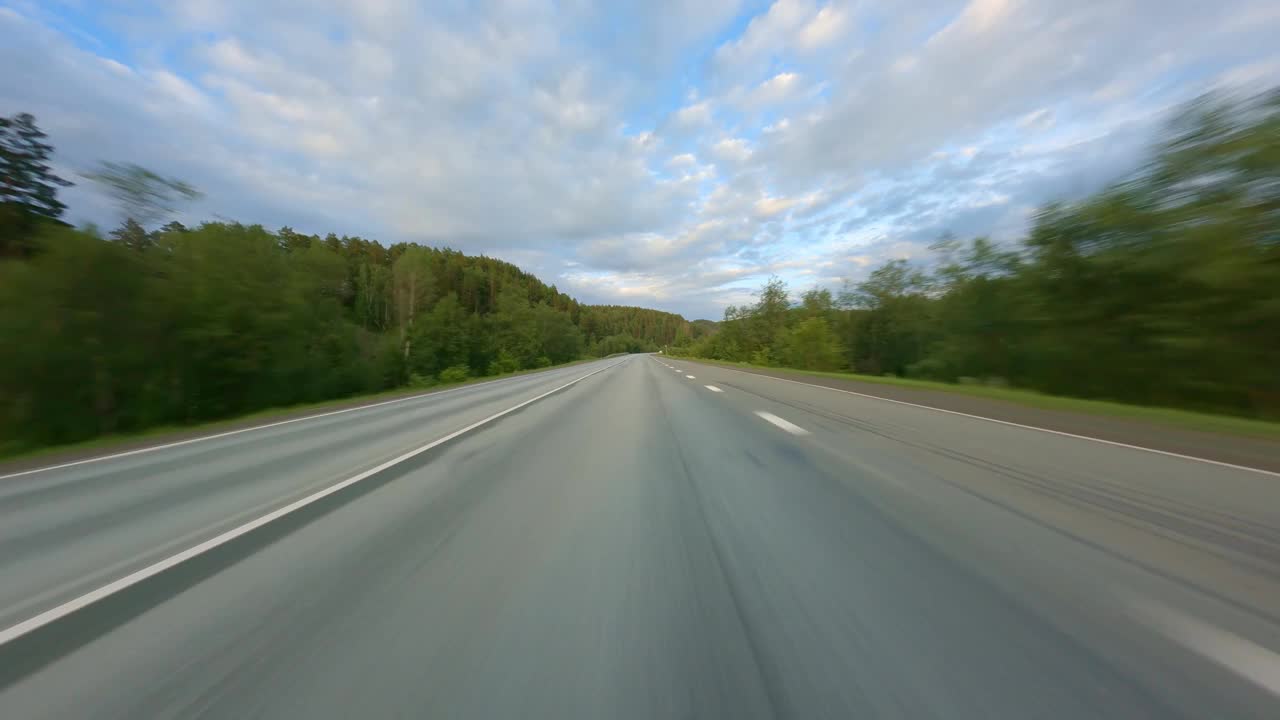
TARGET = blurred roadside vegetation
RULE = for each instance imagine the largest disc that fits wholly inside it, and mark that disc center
(1162, 290)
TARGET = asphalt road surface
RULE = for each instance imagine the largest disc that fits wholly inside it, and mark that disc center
(640, 538)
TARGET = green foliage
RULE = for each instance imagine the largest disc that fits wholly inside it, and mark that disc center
(817, 303)
(97, 338)
(892, 322)
(440, 338)
(512, 326)
(810, 345)
(1161, 290)
(455, 374)
(652, 327)
(132, 235)
(769, 316)
(557, 339)
(421, 381)
(504, 363)
(28, 185)
(615, 344)
(28, 181)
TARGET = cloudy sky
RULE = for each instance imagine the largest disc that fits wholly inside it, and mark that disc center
(659, 153)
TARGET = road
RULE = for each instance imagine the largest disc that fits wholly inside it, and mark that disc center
(640, 538)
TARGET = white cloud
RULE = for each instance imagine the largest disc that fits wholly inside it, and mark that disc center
(113, 65)
(766, 33)
(683, 160)
(982, 16)
(175, 89)
(770, 206)
(695, 114)
(732, 150)
(777, 88)
(320, 143)
(780, 126)
(824, 29)
(823, 136)
(995, 61)
(1041, 119)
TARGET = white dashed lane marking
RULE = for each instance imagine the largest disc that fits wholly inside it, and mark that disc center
(1246, 659)
(786, 425)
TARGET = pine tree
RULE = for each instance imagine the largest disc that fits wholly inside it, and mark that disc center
(25, 176)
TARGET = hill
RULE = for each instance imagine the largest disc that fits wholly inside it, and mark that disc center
(705, 327)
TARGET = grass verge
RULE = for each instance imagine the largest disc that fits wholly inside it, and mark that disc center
(1185, 419)
(165, 433)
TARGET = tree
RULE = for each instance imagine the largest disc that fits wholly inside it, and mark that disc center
(440, 338)
(811, 346)
(732, 342)
(767, 321)
(891, 330)
(817, 303)
(514, 328)
(132, 235)
(28, 185)
(979, 316)
(773, 304)
(143, 196)
(411, 286)
(26, 179)
(372, 306)
(558, 339)
(615, 344)
(75, 332)
(291, 240)
(892, 280)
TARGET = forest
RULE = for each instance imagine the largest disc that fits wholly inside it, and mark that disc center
(1163, 289)
(142, 328)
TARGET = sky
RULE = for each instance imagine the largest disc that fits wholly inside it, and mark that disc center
(656, 153)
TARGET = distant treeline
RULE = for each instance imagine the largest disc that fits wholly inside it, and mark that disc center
(1161, 290)
(177, 325)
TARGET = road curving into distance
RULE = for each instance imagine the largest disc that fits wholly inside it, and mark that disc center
(640, 538)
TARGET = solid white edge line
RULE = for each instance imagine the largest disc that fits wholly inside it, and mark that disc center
(1180, 456)
(712, 388)
(14, 632)
(202, 438)
(786, 425)
(1242, 657)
